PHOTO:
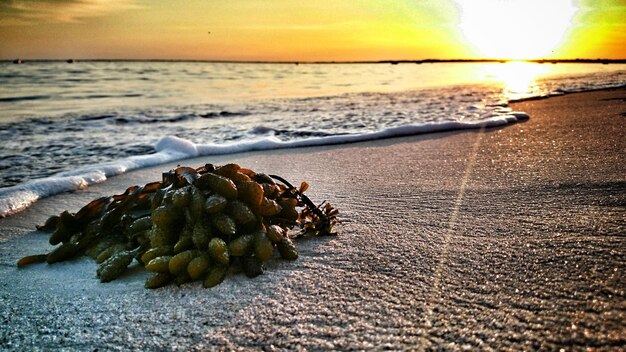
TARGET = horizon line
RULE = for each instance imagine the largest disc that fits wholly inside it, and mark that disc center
(407, 61)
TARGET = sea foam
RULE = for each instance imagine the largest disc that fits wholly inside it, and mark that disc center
(17, 198)
(66, 139)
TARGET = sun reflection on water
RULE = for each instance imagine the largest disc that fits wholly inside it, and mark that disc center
(519, 79)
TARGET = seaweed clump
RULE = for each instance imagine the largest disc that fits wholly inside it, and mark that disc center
(194, 224)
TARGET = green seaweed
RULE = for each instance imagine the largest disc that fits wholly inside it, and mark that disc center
(190, 226)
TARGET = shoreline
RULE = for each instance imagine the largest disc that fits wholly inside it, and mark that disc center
(503, 238)
(21, 196)
(522, 100)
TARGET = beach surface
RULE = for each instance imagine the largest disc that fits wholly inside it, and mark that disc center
(507, 238)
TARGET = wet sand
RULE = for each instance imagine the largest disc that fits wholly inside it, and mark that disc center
(510, 238)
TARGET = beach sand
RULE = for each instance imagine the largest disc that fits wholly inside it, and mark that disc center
(509, 238)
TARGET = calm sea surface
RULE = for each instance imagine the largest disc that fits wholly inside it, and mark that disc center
(75, 124)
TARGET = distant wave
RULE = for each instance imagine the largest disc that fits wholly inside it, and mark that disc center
(263, 130)
(17, 198)
(147, 119)
(23, 98)
(214, 114)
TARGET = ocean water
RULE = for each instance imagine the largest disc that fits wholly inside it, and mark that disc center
(66, 126)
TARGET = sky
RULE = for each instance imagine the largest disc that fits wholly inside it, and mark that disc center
(320, 30)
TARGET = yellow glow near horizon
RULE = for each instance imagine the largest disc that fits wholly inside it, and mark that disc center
(323, 30)
(516, 29)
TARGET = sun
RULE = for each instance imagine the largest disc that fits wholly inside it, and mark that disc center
(515, 29)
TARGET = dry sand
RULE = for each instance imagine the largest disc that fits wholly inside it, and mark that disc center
(509, 239)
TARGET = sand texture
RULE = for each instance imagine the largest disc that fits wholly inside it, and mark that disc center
(507, 239)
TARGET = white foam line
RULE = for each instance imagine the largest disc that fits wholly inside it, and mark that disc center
(17, 198)
(266, 143)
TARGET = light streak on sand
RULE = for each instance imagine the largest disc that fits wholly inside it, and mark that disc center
(435, 293)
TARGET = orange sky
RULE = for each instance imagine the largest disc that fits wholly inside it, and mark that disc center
(321, 30)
